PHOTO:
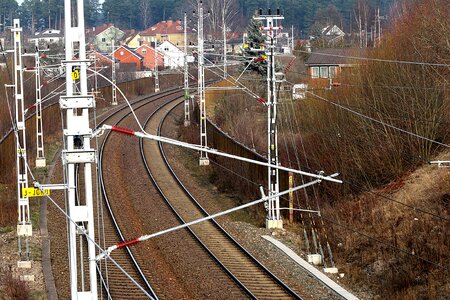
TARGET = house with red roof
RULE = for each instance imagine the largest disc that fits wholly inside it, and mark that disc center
(128, 59)
(172, 31)
(150, 57)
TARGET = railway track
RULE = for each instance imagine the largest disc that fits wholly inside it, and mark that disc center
(256, 280)
(115, 284)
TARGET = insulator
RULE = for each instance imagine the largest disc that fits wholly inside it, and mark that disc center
(260, 11)
(278, 12)
(269, 11)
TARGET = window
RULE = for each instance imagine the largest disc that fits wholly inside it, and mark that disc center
(144, 51)
(333, 72)
(323, 72)
(103, 40)
(315, 72)
(121, 53)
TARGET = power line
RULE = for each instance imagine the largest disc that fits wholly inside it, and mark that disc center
(378, 59)
(414, 208)
(378, 121)
(347, 227)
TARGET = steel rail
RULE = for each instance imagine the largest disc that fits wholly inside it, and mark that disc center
(233, 241)
(141, 103)
(257, 262)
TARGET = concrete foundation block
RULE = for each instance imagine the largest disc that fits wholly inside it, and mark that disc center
(40, 163)
(204, 161)
(24, 264)
(274, 224)
(24, 230)
(28, 278)
(330, 270)
(315, 259)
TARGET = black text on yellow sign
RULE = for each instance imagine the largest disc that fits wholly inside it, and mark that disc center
(34, 192)
(75, 73)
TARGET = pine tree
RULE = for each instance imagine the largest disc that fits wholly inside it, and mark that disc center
(255, 40)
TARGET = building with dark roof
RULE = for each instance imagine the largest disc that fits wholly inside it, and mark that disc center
(329, 63)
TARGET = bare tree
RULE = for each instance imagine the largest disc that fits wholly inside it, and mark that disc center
(361, 16)
(218, 10)
(221, 10)
(144, 5)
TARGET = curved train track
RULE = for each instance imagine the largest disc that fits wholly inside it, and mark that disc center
(256, 280)
(114, 282)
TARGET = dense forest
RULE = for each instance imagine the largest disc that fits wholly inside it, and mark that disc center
(304, 15)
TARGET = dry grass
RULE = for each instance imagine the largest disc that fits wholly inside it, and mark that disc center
(13, 288)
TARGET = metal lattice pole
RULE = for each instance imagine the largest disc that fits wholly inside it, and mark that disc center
(187, 116)
(78, 153)
(225, 73)
(273, 217)
(40, 155)
(24, 227)
(204, 160)
(156, 69)
(113, 75)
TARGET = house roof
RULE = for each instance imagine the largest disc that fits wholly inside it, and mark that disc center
(99, 55)
(332, 30)
(129, 50)
(144, 46)
(129, 35)
(94, 31)
(335, 56)
(175, 48)
(166, 27)
(54, 33)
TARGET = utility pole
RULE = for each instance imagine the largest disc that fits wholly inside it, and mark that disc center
(156, 69)
(379, 26)
(78, 154)
(204, 160)
(187, 116)
(224, 44)
(24, 227)
(40, 155)
(292, 40)
(273, 219)
(113, 76)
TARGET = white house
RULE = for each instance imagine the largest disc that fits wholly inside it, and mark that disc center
(173, 57)
(49, 36)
